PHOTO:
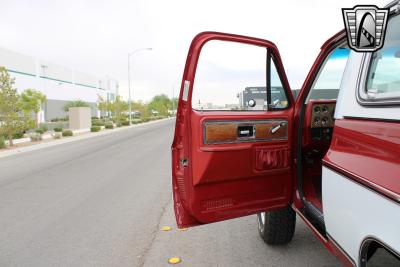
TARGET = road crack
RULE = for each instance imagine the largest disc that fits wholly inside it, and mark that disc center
(154, 234)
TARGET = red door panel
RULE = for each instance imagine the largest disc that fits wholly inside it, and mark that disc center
(239, 158)
(219, 170)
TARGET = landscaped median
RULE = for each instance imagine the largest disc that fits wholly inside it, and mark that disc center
(60, 135)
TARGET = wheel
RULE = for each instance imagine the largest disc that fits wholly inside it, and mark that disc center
(277, 227)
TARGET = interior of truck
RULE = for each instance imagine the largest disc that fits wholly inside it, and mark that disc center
(318, 121)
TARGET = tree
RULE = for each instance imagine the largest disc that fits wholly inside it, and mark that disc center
(141, 107)
(12, 118)
(160, 103)
(32, 101)
(174, 103)
(75, 104)
(103, 105)
(118, 107)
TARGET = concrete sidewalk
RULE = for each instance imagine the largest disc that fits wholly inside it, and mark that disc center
(65, 140)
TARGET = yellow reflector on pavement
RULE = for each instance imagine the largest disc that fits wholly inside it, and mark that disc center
(166, 228)
(174, 260)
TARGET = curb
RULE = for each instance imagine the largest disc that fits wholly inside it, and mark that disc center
(45, 137)
(66, 140)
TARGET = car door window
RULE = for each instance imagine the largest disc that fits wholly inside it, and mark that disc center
(234, 77)
(384, 72)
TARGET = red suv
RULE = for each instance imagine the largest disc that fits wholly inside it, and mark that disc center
(245, 145)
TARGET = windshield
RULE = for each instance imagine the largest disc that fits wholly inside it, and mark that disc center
(326, 85)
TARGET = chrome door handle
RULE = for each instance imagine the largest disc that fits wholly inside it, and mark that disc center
(277, 127)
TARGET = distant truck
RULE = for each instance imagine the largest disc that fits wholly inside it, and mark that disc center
(332, 160)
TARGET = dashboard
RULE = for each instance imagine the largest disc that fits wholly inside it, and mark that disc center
(322, 115)
(322, 121)
(319, 122)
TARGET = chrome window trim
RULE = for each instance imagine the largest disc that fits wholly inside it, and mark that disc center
(370, 99)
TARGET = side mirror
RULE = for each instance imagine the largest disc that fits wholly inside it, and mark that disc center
(252, 103)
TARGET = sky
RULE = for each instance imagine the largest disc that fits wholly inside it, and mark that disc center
(95, 36)
(225, 68)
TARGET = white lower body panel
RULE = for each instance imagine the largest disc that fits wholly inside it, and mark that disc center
(353, 212)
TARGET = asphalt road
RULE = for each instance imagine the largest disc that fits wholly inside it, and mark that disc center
(102, 202)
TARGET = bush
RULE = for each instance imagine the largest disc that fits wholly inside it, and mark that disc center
(119, 124)
(14, 136)
(109, 125)
(17, 135)
(39, 131)
(35, 137)
(98, 123)
(124, 123)
(67, 133)
(58, 129)
(44, 127)
(2, 142)
(59, 119)
(95, 129)
(75, 104)
(56, 135)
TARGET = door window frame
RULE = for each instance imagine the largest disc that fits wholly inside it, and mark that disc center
(367, 99)
(193, 59)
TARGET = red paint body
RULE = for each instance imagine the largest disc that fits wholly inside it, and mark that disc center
(369, 153)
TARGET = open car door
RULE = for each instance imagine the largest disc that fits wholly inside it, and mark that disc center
(232, 149)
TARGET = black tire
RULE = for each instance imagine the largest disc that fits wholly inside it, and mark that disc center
(277, 227)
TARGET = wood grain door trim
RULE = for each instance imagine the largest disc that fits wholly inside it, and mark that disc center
(226, 132)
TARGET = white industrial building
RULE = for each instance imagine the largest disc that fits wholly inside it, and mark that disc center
(59, 84)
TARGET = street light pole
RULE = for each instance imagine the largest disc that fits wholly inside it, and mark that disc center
(129, 79)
